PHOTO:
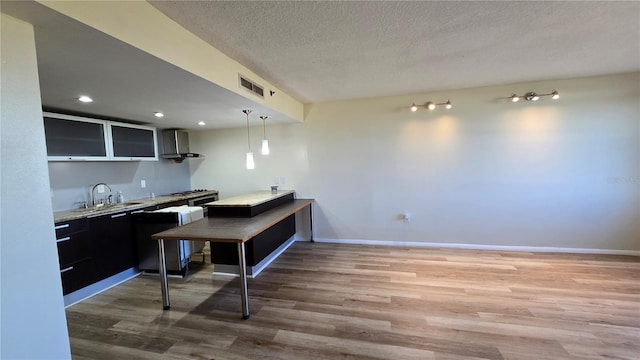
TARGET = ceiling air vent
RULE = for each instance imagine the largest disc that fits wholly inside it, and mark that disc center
(251, 86)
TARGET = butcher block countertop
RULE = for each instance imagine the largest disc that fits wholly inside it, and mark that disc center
(250, 199)
(232, 230)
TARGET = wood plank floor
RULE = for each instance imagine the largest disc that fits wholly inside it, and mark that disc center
(329, 301)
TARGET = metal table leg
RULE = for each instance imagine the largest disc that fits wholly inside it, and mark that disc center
(162, 261)
(311, 220)
(242, 264)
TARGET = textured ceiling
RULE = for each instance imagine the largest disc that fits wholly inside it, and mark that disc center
(321, 51)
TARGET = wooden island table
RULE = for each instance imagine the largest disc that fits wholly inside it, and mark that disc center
(236, 230)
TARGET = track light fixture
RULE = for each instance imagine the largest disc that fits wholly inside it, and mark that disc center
(430, 105)
(533, 96)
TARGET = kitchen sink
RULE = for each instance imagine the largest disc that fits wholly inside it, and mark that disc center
(124, 204)
(107, 207)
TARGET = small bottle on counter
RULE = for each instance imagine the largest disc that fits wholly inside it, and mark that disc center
(120, 199)
(152, 196)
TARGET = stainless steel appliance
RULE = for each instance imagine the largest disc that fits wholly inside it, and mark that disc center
(200, 200)
(203, 200)
(178, 253)
(176, 145)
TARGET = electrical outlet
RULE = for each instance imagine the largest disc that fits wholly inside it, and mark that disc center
(143, 184)
(276, 180)
(283, 180)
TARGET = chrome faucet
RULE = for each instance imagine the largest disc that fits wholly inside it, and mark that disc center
(93, 189)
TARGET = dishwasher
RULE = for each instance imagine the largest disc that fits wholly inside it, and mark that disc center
(178, 253)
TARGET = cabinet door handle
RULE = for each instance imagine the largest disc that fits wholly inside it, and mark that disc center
(137, 211)
(63, 239)
(58, 227)
(118, 215)
(66, 269)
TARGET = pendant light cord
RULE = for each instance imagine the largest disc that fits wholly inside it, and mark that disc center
(247, 112)
(248, 139)
(264, 126)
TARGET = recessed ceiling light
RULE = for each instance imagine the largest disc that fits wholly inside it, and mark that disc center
(158, 114)
(85, 99)
(201, 123)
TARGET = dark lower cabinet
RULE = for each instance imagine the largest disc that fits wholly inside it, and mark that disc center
(95, 248)
(113, 245)
(77, 275)
(258, 248)
(73, 239)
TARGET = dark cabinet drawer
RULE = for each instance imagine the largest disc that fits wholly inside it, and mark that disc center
(73, 248)
(69, 227)
(77, 275)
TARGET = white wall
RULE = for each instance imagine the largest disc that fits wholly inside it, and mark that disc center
(72, 181)
(562, 174)
(33, 323)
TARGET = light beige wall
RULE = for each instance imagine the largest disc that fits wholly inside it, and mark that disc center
(562, 174)
(33, 323)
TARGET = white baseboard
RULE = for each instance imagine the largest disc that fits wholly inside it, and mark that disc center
(479, 247)
(253, 271)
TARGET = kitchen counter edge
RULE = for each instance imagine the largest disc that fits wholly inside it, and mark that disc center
(74, 214)
(250, 199)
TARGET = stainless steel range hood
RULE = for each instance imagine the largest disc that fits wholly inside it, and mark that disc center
(176, 145)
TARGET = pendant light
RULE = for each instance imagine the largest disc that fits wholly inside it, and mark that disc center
(265, 142)
(250, 164)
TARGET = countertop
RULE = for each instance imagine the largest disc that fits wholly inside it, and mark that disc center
(250, 199)
(232, 230)
(74, 214)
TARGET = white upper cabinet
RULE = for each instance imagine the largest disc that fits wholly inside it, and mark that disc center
(75, 138)
(133, 142)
